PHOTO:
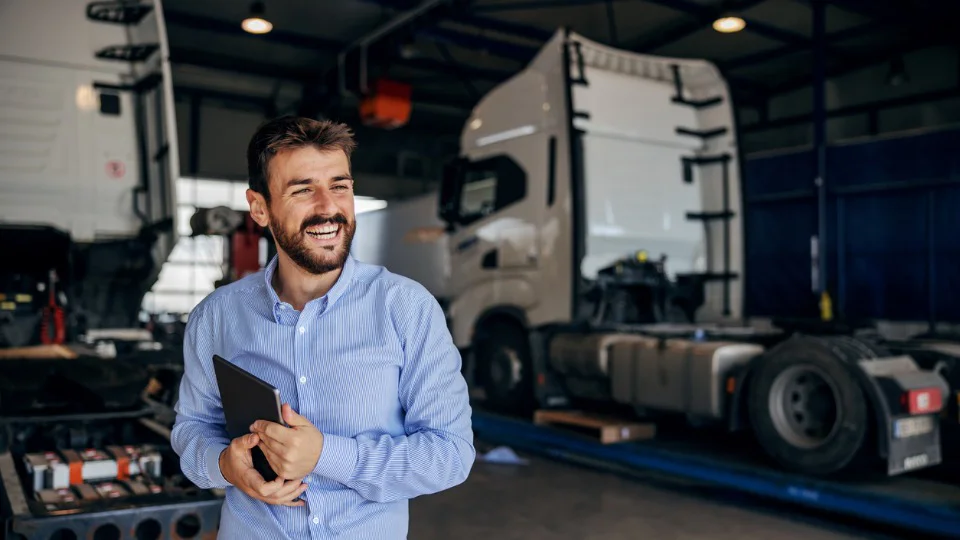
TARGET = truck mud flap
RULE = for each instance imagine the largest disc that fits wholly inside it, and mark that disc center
(910, 402)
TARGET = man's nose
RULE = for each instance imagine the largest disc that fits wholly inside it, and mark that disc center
(324, 203)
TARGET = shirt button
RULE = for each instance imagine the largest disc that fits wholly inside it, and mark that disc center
(302, 329)
(316, 520)
(303, 379)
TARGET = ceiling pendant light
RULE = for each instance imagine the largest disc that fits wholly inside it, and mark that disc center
(729, 24)
(256, 23)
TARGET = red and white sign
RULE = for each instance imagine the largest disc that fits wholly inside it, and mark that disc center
(115, 169)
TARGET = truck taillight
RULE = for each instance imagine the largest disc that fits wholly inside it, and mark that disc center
(923, 400)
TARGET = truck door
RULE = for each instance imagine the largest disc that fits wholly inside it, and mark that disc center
(490, 204)
(495, 231)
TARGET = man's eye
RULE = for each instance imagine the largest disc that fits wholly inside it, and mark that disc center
(299, 191)
(339, 187)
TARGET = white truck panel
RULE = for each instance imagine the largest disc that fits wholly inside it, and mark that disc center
(633, 166)
(64, 163)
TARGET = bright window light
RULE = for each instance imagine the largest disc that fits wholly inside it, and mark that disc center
(367, 204)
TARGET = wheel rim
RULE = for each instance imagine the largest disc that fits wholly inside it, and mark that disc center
(506, 369)
(804, 405)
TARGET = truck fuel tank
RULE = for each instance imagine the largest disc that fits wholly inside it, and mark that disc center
(676, 375)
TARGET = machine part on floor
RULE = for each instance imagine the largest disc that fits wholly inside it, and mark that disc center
(104, 510)
(53, 469)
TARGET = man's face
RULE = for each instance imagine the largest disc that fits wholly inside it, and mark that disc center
(310, 213)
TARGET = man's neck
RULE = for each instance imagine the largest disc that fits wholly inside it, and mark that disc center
(296, 286)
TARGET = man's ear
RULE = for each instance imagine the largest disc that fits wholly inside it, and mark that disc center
(258, 208)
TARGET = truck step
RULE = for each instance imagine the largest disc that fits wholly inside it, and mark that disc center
(680, 100)
(117, 12)
(608, 430)
(707, 216)
(128, 53)
(703, 134)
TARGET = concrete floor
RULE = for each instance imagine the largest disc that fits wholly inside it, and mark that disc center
(551, 500)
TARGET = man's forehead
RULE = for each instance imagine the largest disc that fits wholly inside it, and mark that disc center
(309, 161)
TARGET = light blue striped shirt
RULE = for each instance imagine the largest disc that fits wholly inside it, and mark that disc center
(371, 364)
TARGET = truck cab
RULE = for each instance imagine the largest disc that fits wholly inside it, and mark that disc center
(596, 186)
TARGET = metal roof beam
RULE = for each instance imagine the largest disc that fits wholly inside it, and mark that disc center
(779, 52)
(220, 26)
(683, 30)
(709, 14)
(535, 4)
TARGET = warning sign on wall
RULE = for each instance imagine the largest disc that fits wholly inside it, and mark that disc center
(115, 169)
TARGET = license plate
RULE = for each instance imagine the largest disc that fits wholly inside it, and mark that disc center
(912, 427)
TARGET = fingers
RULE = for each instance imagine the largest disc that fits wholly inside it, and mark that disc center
(276, 461)
(291, 490)
(292, 418)
(272, 432)
(247, 441)
(260, 487)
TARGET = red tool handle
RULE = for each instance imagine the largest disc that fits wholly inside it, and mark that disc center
(54, 316)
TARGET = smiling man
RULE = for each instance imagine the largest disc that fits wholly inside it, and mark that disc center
(376, 409)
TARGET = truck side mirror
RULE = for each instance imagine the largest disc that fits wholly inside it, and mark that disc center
(450, 187)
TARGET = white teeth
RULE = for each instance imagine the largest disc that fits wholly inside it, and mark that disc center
(326, 229)
(324, 232)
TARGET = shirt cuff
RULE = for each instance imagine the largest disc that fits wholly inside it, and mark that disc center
(213, 465)
(338, 458)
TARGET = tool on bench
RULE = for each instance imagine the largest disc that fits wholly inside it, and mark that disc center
(53, 322)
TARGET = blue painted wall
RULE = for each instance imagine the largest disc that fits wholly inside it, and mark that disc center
(893, 241)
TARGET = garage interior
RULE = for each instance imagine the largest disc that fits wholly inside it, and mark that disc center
(760, 199)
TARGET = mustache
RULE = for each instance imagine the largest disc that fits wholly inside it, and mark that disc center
(315, 220)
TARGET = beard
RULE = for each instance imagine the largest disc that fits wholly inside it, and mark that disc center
(296, 244)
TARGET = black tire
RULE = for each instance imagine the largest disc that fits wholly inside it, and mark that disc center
(807, 409)
(504, 368)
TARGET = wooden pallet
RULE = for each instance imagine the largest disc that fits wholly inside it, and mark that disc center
(610, 430)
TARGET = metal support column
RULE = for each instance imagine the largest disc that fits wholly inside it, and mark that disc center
(820, 151)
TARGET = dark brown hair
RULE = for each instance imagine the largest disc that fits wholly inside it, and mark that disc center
(289, 132)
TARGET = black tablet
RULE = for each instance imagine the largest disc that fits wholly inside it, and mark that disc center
(247, 398)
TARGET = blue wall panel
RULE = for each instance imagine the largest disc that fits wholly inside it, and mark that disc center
(893, 242)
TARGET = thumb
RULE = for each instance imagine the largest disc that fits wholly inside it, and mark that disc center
(249, 440)
(292, 418)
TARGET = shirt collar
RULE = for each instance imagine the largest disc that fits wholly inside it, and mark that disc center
(335, 292)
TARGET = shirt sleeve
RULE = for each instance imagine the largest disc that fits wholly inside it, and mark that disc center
(436, 452)
(198, 434)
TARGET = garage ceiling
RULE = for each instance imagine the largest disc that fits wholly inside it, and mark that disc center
(460, 50)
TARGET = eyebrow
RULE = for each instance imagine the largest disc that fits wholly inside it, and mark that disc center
(308, 181)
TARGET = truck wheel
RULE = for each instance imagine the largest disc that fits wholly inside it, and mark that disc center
(807, 410)
(504, 368)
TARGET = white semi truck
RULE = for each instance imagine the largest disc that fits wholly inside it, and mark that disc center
(593, 214)
(88, 158)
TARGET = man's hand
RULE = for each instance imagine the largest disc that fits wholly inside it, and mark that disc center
(292, 451)
(236, 465)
